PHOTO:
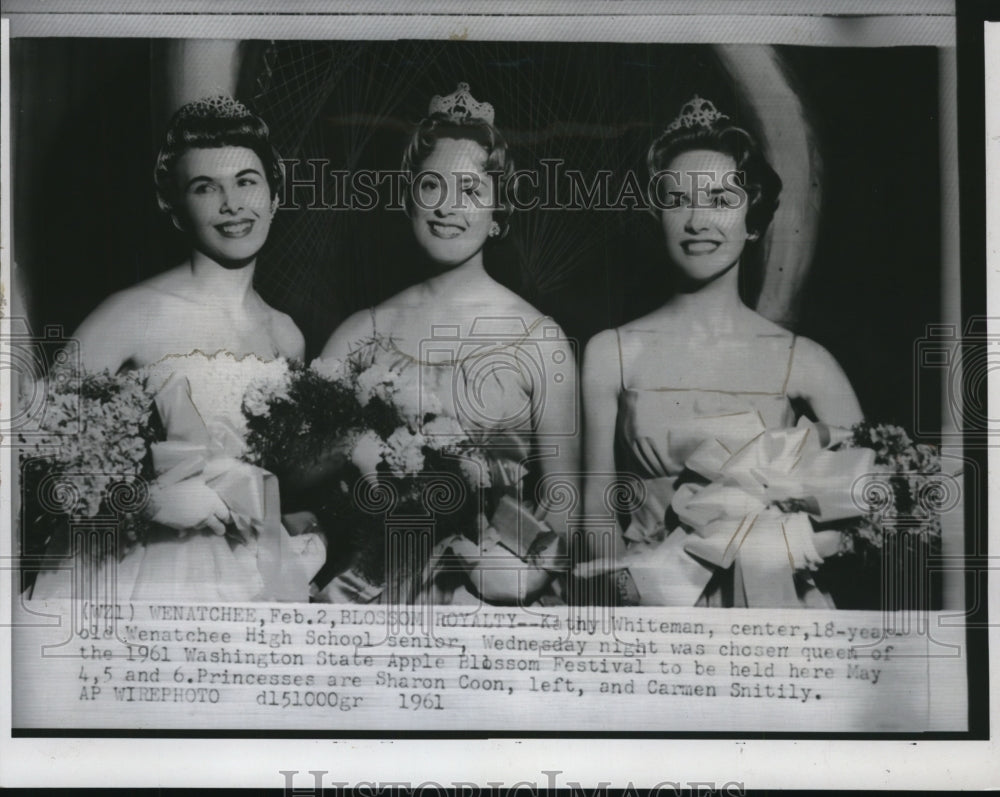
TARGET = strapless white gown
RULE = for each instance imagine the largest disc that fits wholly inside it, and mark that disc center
(197, 565)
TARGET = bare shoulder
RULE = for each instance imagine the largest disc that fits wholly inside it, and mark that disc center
(123, 307)
(151, 296)
(815, 375)
(602, 360)
(644, 333)
(516, 311)
(602, 350)
(508, 303)
(810, 358)
(173, 281)
(653, 320)
(356, 327)
(116, 331)
(765, 326)
(287, 336)
(634, 342)
(415, 295)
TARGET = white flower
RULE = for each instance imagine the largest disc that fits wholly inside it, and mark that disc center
(444, 432)
(331, 368)
(406, 454)
(368, 452)
(376, 381)
(415, 397)
(262, 391)
(257, 398)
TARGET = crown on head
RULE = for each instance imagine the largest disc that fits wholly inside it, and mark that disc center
(696, 112)
(461, 106)
(221, 106)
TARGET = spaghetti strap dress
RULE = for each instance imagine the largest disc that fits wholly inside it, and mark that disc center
(658, 428)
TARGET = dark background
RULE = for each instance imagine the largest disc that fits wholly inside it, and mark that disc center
(86, 130)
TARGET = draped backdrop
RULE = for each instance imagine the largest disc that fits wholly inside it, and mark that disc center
(852, 259)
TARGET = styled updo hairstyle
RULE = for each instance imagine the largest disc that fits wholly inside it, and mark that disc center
(760, 182)
(499, 163)
(211, 123)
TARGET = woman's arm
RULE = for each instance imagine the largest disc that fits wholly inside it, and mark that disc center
(288, 337)
(818, 378)
(601, 388)
(557, 422)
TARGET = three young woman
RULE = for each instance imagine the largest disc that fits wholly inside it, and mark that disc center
(701, 366)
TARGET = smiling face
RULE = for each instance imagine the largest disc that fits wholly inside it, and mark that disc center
(224, 203)
(452, 208)
(705, 223)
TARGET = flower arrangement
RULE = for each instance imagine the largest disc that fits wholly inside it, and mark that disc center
(368, 442)
(95, 448)
(90, 456)
(903, 509)
(296, 416)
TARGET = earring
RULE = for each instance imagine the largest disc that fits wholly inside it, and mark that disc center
(494, 229)
(752, 236)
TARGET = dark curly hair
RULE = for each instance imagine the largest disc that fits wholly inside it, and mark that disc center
(499, 162)
(201, 125)
(756, 176)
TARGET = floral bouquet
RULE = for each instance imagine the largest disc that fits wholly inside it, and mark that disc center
(907, 503)
(369, 445)
(296, 420)
(900, 525)
(136, 444)
(770, 509)
(90, 456)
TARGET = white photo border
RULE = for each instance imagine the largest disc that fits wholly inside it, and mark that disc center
(617, 762)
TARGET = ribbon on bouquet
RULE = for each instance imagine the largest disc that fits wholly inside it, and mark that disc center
(193, 451)
(514, 559)
(754, 514)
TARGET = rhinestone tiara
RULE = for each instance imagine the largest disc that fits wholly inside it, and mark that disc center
(461, 106)
(696, 112)
(221, 106)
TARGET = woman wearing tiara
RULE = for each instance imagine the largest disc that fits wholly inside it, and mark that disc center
(203, 331)
(702, 367)
(506, 372)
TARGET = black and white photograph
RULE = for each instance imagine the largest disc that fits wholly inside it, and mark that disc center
(556, 374)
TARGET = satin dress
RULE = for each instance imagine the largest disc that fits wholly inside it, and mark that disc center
(484, 382)
(659, 427)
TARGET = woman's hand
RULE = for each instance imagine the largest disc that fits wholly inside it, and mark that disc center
(188, 504)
